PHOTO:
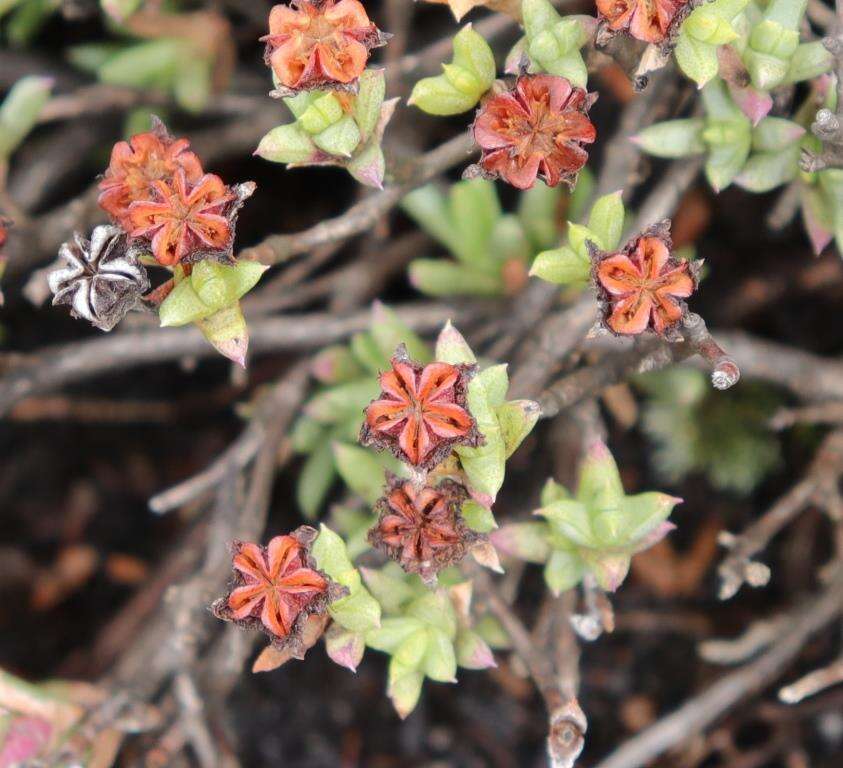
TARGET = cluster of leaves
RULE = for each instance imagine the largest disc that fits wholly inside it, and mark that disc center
(335, 128)
(552, 43)
(492, 250)
(328, 428)
(464, 80)
(723, 435)
(762, 41)
(427, 633)
(757, 157)
(189, 55)
(592, 535)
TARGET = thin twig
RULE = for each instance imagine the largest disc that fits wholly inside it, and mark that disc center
(819, 486)
(699, 712)
(70, 363)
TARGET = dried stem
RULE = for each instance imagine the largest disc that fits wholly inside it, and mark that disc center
(819, 486)
(566, 722)
(699, 712)
(828, 125)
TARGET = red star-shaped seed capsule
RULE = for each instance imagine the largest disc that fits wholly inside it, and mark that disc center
(422, 412)
(643, 285)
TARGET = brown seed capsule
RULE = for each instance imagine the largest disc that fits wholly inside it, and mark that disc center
(421, 528)
(101, 279)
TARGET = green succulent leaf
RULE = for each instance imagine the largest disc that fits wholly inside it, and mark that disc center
(315, 479)
(563, 570)
(673, 138)
(20, 110)
(562, 266)
(606, 219)
(361, 470)
(286, 144)
(437, 277)
(477, 517)
(525, 541)
(440, 661)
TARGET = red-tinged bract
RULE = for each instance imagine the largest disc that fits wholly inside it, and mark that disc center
(137, 164)
(319, 43)
(643, 285)
(422, 412)
(421, 528)
(185, 221)
(650, 21)
(276, 588)
(536, 130)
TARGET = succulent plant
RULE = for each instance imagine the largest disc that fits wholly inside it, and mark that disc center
(594, 533)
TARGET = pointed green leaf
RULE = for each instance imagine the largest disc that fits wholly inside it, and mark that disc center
(517, 419)
(451, 347)
(392, 633)
(496, 381)
(388, 331)
(673, 138)
(563, 571)
(440, 661)
(477, 517)
(562, 266)
(571, 519)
